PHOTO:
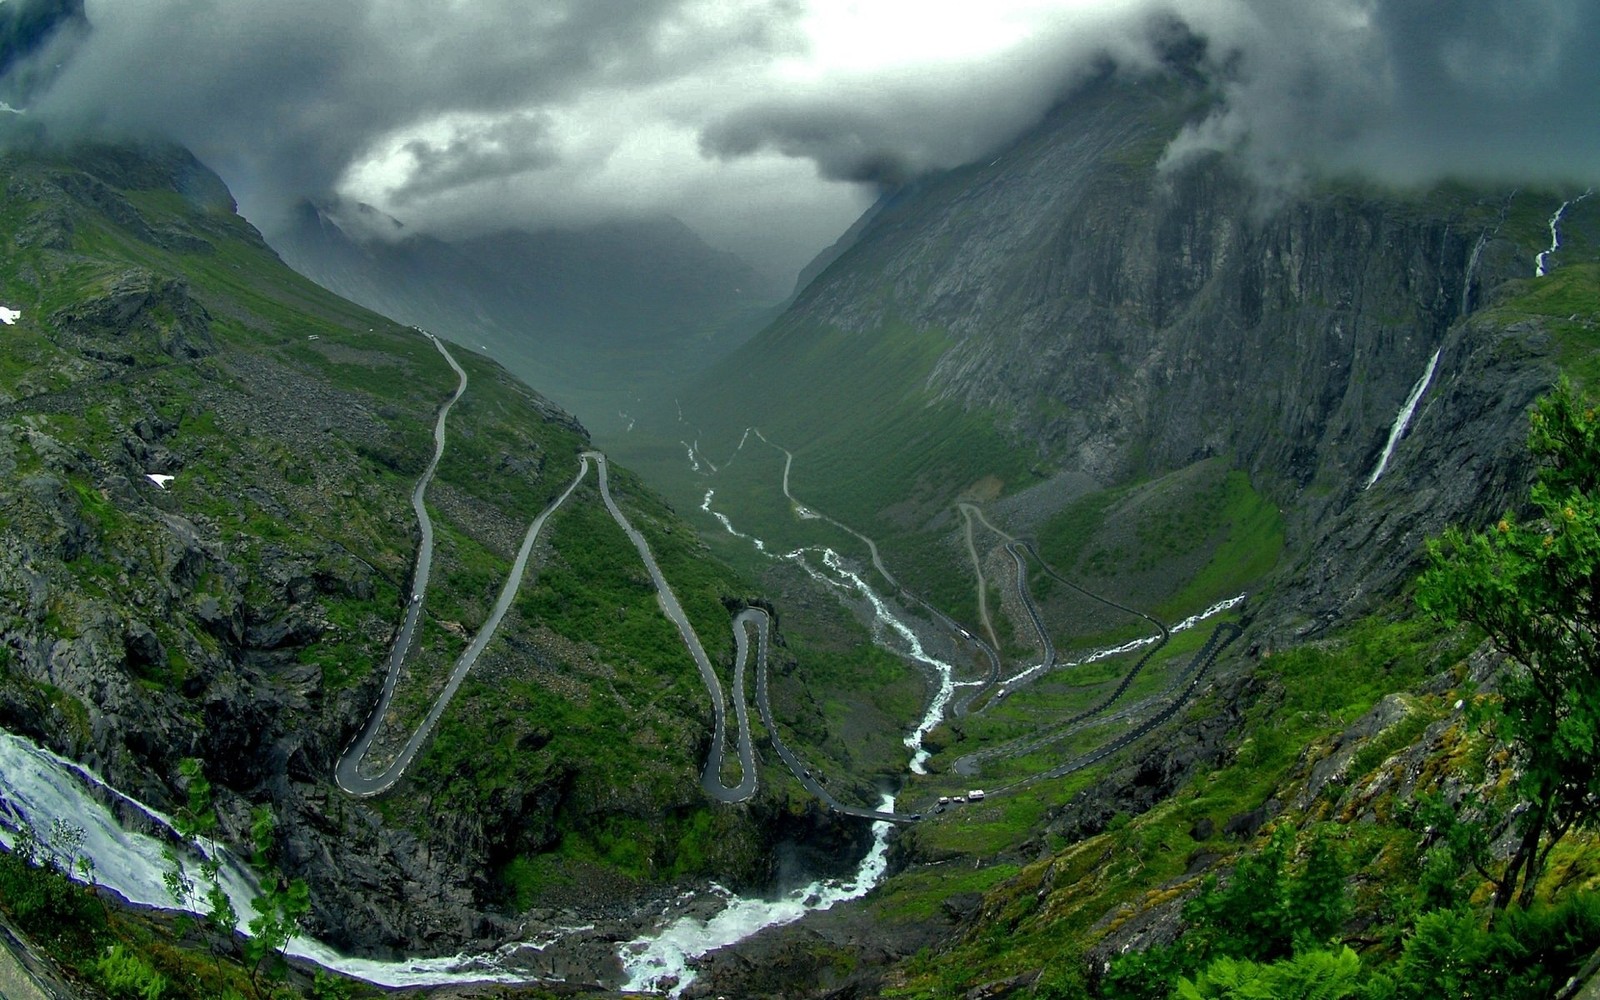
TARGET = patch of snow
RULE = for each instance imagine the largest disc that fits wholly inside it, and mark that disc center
(159, 479)
(9, 316)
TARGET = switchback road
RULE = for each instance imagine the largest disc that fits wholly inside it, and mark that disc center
(347, 772)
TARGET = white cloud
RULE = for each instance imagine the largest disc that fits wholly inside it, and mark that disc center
(756, 120)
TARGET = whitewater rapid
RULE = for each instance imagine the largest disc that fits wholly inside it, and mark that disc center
(664, 962)
(884, 623)
(1016, 681)
(40, 788)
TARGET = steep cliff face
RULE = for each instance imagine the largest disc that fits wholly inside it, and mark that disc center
(1119, 319)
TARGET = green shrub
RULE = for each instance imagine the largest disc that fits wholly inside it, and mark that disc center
(126, 976)
(1314, 975)
(45, 902)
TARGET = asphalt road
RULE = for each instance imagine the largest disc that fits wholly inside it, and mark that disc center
(348, 775)
(711, 777)
(757, 619)
(345, 772)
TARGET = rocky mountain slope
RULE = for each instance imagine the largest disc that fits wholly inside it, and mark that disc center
(1072, 307)
(207, 462)
(1179, 387)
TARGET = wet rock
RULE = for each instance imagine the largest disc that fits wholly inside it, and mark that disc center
(157, 311)
(1003, 987)
(143, 646)
(1333, 767)
(1245, 825)
(961, 906)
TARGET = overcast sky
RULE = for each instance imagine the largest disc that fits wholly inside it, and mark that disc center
(768, 125)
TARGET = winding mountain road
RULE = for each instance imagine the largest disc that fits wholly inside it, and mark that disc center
(1195, 672)
(989, 652)
(711, 777)
(1170, 700)
(761, 623)
(347, 772)
(350, 778)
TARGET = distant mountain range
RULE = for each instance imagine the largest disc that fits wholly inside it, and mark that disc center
(553, 305)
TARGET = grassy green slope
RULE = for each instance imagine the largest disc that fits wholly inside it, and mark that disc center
(296, 432)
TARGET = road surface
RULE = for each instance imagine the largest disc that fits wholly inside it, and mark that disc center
(711, 777)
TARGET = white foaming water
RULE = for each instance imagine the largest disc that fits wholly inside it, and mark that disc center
(662, 962)
(883, 617)
(39, 787)
(1539, 269)
(1472, 268)
(1402, 419)
(694, 463)
(705, 505)
(1012, 683)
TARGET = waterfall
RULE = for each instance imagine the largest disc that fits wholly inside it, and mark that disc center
(1472, 268)
(1539, 268)
(1402, 419)
(39, 788)
(662, 961)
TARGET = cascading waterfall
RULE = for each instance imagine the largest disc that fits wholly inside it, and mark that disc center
(1472, 268)
(40, 788)
(883, 618)
(1402, 419)
(884, 623)
(722, 518)
(662, 961)
(1012, 683)
(1539, 268)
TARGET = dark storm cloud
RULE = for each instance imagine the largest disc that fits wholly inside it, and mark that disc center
(283, 96)
(885, 128)
(1408, 91)
(761, 133)
(475, 153)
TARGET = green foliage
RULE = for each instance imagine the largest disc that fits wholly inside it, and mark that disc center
(1318, 902)
(197, 817)
(1313, 975)
(263, 834)
(35, 890)
(126, 976)
(1268, 911)
(1145, 975)
(1529, 953)
(1458, 846)
(279, 912)
(1247, 917)
(1534, 587)
(325, 986)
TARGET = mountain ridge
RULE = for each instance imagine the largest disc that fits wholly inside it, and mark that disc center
(236, 609)
(647, 295)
